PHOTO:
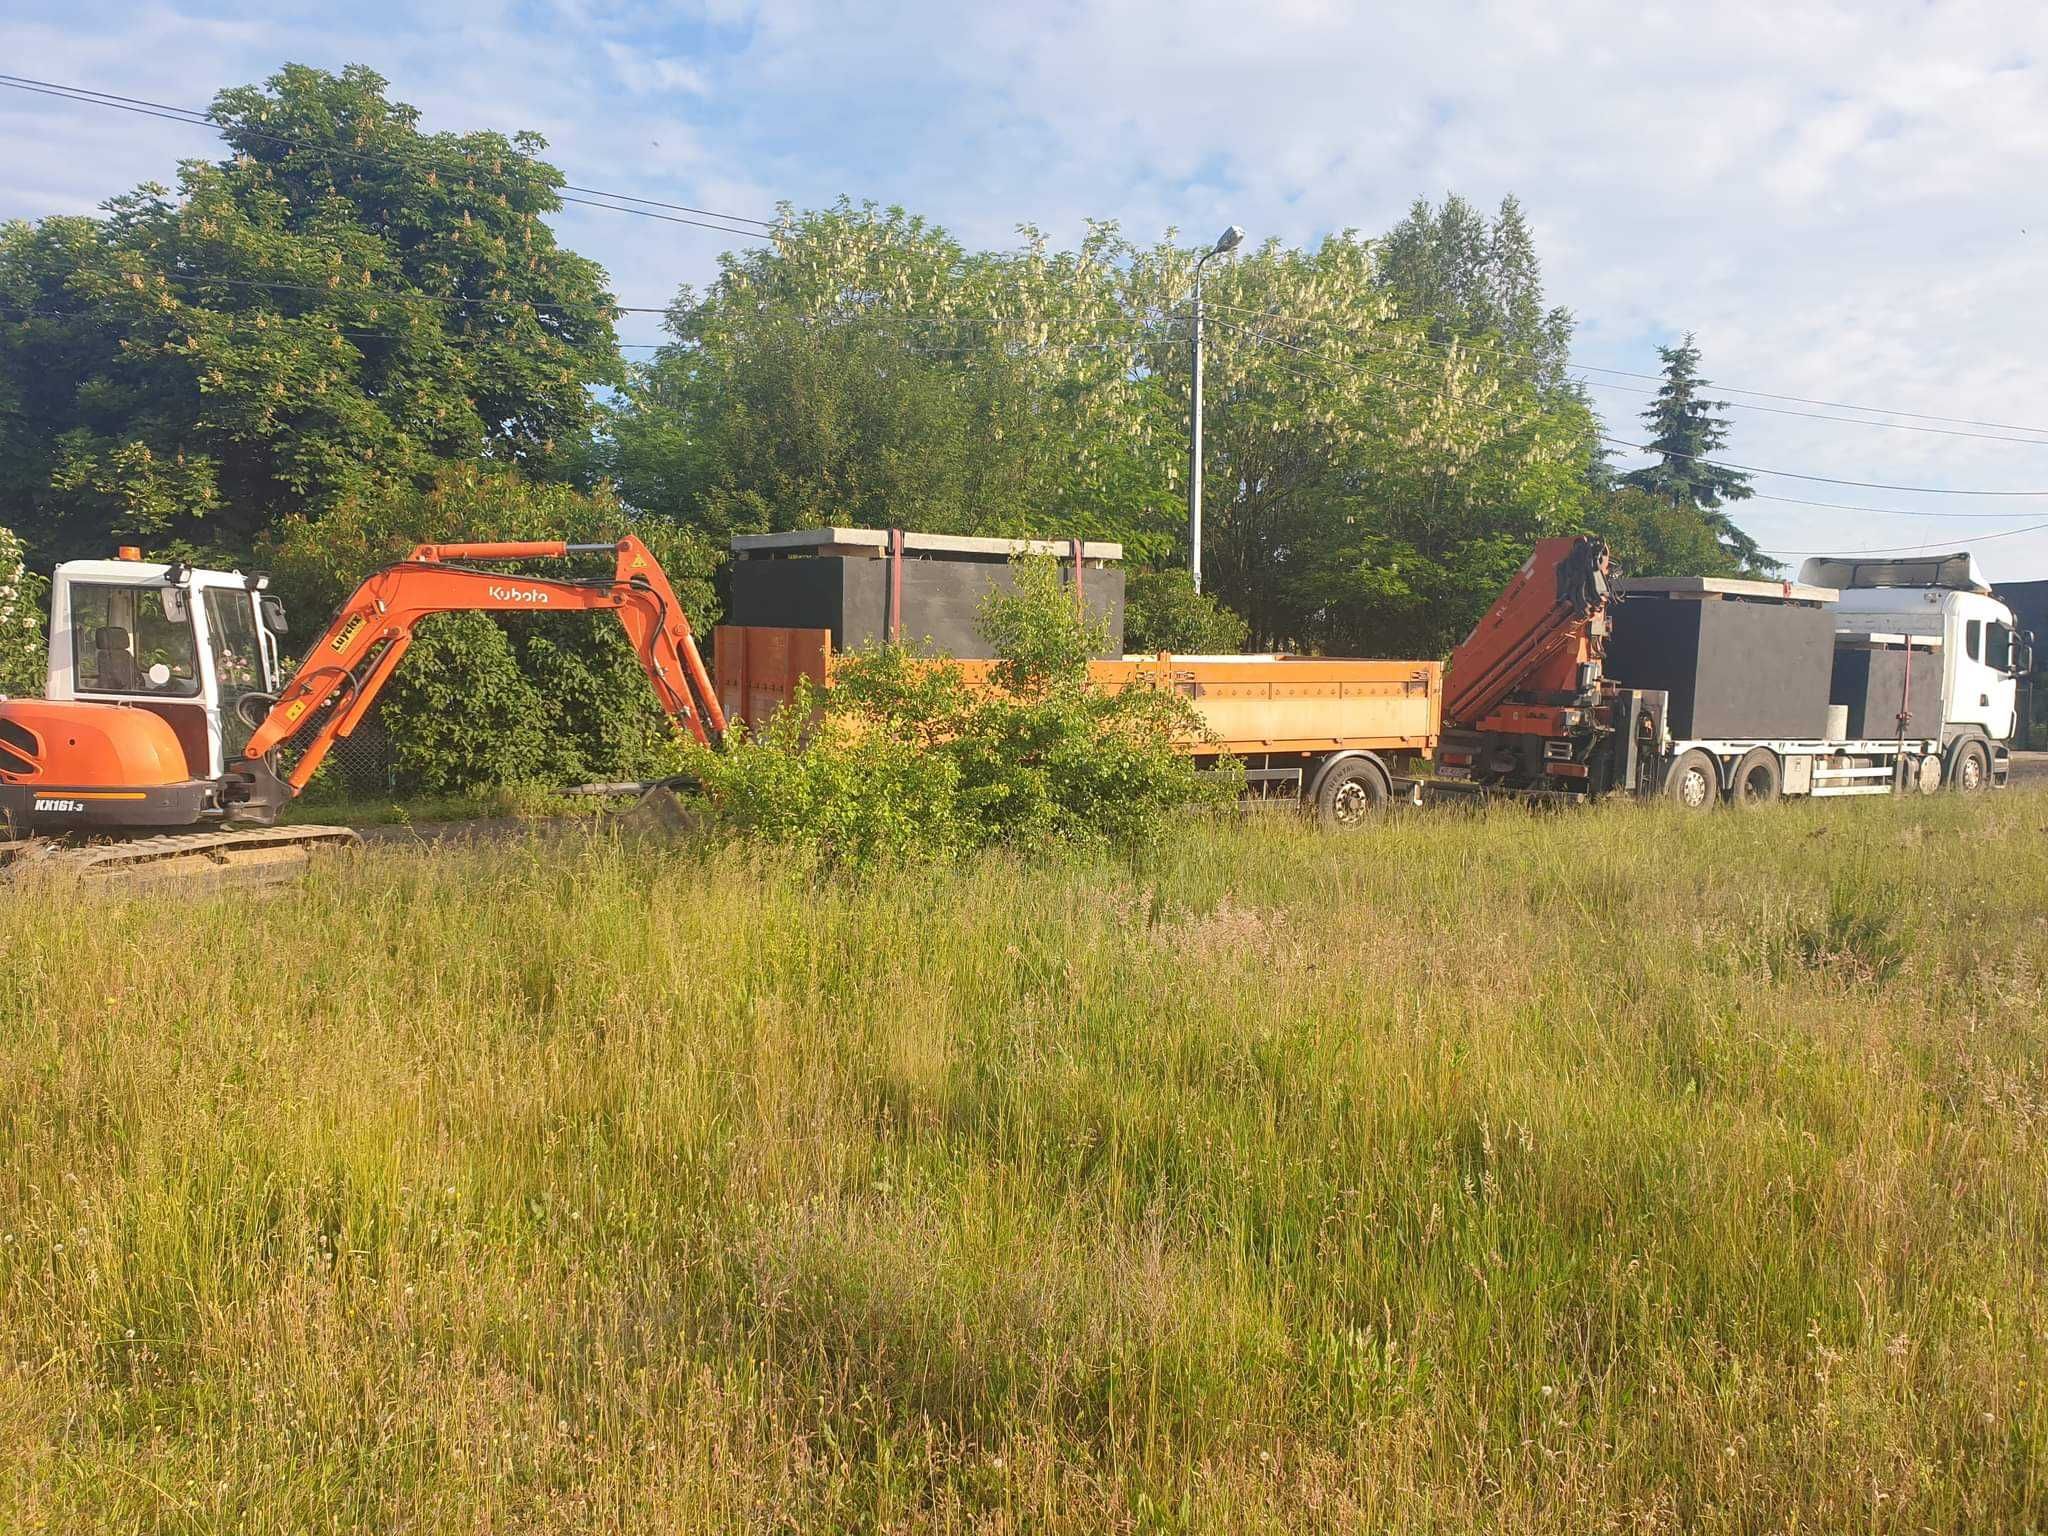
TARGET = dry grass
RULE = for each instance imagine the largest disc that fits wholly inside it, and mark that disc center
(1595, 1173)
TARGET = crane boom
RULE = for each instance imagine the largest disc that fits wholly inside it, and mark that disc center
(1539, 637)
(346, 668)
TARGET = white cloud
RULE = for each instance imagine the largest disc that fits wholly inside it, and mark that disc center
(1831, 194)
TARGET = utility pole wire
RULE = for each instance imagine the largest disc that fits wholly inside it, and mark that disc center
(1906, 549)
(1484, 343)
(1794, 474)
(198, 119)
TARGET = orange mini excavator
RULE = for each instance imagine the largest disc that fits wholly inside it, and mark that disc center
(165, 726)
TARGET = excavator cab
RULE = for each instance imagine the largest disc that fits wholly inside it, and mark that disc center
(139, 720)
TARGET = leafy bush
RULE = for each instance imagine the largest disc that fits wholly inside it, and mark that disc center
(22, 594)
(904, 756)
(462, 714)
(1164, 612)
(559, 696)
(827, 782)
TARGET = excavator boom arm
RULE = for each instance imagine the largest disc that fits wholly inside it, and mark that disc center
(356, 655)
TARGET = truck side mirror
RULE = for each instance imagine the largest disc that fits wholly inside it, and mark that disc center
(273, 616)
(176, 607)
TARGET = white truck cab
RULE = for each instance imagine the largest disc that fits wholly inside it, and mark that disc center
(1983, 651)
(182, 643)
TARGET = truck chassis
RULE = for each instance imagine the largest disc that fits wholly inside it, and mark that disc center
(1629, 752)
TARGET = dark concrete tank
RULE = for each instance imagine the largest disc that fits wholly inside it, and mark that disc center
(840, 579)
(1740, 660)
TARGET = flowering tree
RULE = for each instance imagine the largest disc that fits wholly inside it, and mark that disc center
(21, 620)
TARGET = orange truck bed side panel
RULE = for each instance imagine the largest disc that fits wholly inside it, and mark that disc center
(1252, 703)
(758, 668)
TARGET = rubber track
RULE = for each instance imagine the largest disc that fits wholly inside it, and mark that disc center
(204, 853)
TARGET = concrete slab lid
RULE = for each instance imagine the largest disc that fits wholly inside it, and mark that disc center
(876, 540)
(1723, 586)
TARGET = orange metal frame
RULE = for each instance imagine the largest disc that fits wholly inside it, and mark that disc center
(350, 663)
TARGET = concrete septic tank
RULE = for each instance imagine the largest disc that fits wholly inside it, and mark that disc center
(1876, 681)
(846, 579)
(1740, 660)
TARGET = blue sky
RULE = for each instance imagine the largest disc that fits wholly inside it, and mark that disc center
(1843, 200)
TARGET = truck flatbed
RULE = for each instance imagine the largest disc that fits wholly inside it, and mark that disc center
(1253, 705)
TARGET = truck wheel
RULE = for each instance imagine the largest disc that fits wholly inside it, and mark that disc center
(1351, 793)
(1694, 781)
(1972, 770)
(1759, 780)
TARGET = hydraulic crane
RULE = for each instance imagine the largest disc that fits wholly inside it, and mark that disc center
(163, 712)
(1526, 703)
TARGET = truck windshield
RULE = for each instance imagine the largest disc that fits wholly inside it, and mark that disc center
(1998, 647)
(118, 634)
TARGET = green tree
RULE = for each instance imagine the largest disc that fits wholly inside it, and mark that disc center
(1470, 279)
(1369, 484)
(340, 306)
(1164, 612)
(1686, 433)
(22, 595)
(865, 369)
(1650, 536)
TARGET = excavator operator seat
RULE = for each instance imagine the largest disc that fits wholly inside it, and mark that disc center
(114, 660)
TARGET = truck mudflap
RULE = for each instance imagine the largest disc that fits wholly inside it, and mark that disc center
(31, 810)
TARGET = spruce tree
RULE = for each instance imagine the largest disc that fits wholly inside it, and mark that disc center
(1686, 433)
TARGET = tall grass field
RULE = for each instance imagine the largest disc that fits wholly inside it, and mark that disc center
(1611, 1172)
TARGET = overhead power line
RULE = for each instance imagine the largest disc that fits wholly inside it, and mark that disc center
(1492, 344)
(1845, 421)
(591, 197)
(1909, 549)
(1887, 510)
(1794, 474)
(623, 202)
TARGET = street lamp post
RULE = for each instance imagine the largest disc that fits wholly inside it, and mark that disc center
(1229, 240)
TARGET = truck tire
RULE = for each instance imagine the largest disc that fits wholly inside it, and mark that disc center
(1352, 792)
(1694, 782)
(1971, 771)
(1759, 778)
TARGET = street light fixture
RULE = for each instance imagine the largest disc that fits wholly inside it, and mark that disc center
(1229, 240)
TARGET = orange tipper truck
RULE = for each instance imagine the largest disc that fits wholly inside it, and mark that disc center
(1342, 734)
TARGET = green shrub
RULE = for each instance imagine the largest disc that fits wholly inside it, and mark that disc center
(901, 757)
(835, 788)
(22, 594)
(1164, 612)
(469, 716)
